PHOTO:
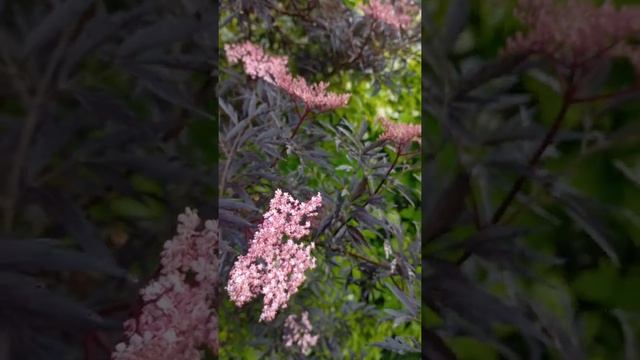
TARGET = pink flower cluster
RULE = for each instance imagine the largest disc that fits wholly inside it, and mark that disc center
(399, 15)
(257, 63)
(274, 266)
(400, 134)
(178, 318)
(592, 32)
(273, 69)
(298, 333)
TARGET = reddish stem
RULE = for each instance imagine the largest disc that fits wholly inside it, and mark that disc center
(533, 161)
(307, 111)
(606, 96)
(304, 116)
(88, 340)
(386, 175)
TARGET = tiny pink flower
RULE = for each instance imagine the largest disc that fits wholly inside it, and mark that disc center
(399, 16)
(257, 63)
(298, 333)
(400, 134)
(274, 70)
(274, 266)
(593, 32)
(178, 318)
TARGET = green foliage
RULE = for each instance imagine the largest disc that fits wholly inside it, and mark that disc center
(581, 207)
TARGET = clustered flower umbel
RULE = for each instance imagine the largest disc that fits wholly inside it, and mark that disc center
(593, 31)
(178, 318)
(399, 133)
(274, 265)
(298, 333)
(273, 69)
(399, 15)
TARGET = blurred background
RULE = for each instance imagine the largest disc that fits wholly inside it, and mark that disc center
(558, 276)
(107, 132)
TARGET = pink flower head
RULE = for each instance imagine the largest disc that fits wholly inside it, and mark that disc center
(592, 32)
(178, 317)
(274, 266)
(273, 69)
(316, 96)
(298, 333)
(400, 134)
(399, 15)
(257, 63)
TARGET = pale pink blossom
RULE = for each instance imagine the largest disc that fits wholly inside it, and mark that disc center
(274, 265)
(399, 15)
(298, 333)
(178, 318)
(573, 32)
(399, 133)
(315, 96)
(274, 69)
(257, 63)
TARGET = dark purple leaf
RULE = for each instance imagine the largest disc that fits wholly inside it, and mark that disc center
(153, 166)
(39, 255)
(366, 219)
(106, 107)
(94, 34)
(162, 33)
(448, 289)
(410, 303)
(504, 65)
(456, 19)
(589, 219)
(434, 348)
(62, 16)
(357, 236)
(235, 204)
(165, 88)
(448, 207)
(397, 345)
(24, 294)
(229, 217)
(71, 217)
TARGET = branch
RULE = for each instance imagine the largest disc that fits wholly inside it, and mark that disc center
(304, 116)
(358, 55)
(386, 175)
(533, 161)
(607, 96)
(293, 133)
(28, 129)
(356, 256)
(535, 158)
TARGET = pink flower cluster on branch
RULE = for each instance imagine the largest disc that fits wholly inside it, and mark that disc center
(298, 333)
(178, 318)
(273, 69)
(400, 15)
(274, 266)
(592, 32)
(400, 134)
